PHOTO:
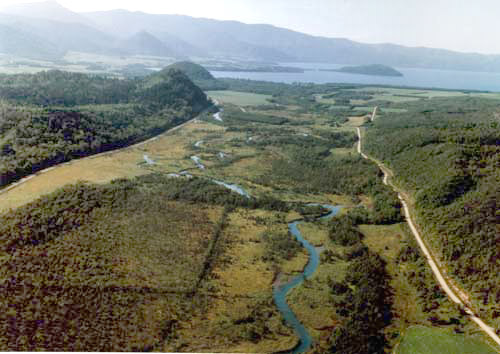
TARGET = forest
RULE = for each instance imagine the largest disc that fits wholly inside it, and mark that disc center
(447, 155)
(63, 290)
(53, 117)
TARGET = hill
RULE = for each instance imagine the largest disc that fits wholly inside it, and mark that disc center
(374, 69)
(66, 116)
(197, 73)
(445, 154)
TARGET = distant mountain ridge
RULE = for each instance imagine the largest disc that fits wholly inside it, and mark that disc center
(124, 32)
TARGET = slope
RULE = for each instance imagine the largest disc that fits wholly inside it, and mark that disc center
(85, 115)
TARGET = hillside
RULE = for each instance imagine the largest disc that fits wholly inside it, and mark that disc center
(23, 44)
(446, 155)
(197, 73)
(144, 43)
(52, 117)
(374, 70)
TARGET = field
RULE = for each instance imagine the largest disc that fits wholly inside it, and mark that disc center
(239, 98)
(424, 340)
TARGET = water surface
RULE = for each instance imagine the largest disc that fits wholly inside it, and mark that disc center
(429, 78)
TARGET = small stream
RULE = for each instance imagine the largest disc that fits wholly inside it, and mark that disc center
(281, 291)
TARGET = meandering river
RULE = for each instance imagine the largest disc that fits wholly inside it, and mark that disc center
(281, 291)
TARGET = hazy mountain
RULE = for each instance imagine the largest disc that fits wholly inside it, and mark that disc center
(144, 43)
(182, 48)
(270, 43)
(47, 10)
(209, 36)
(17, 42)
(184, 36)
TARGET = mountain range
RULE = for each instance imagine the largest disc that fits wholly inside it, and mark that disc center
(46, 30)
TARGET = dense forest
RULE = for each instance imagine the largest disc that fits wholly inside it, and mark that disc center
(447, 155)
(52, 117)
(62, 289)
(198, 74)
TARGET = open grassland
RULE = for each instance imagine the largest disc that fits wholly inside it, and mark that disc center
(409, 94)
(239, 98)
(424, 340)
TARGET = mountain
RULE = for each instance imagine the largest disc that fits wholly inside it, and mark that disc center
(182, 48)
(46, 10)
(231, 39)
(20, 43)
(144, 43)
(210, 36)
(121, 32)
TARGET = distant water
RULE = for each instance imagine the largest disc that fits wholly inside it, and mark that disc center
(428, 78)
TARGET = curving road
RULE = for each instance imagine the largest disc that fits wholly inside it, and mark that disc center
(435, 269)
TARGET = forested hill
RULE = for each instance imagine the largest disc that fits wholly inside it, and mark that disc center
(197, 73)
(52, 117)
(448, 157)
(374, 69)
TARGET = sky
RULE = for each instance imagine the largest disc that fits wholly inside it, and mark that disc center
(461, 25)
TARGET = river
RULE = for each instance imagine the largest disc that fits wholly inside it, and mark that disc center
(281, 291)
(429, 78)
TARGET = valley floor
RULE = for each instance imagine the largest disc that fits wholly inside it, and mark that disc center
(232, 308)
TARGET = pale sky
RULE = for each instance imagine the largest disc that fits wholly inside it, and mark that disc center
(462, 25)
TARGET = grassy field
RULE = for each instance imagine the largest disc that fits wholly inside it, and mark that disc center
(239, 98)
(425, 340)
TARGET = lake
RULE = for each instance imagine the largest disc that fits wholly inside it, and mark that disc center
(428, 78)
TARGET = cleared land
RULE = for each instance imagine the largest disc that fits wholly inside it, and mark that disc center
(424, 340)
(239, 98)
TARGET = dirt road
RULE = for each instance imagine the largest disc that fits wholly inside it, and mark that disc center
(435, 269)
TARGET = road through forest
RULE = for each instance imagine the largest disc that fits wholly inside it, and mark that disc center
(435, 269)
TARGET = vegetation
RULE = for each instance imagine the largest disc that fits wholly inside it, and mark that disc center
(97, 114)
(439, 341)
(447, 156)
(364, 302)
(375, 69)
(279, 246)
(196, 73)
(193, 263)
(55, 258)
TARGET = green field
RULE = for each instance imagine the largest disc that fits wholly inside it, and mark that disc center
(239, 98)
(425, 340)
